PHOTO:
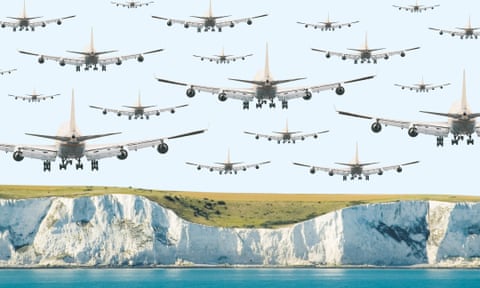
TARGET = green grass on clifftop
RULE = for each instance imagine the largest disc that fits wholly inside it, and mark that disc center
(231, 209)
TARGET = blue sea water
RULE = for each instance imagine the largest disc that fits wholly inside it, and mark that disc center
(236, 278)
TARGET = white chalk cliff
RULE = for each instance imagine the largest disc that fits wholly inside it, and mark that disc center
(123, 230)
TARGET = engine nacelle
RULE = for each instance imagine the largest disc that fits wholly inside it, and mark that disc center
(249, 22)
(269, 138)
(340, 90)
(199, 167)
(376, 127)
(45, 24)
(61, 62)
(119, 61)
(380, 172)
(140, 58)
(330, 173)
(327, 55)
(169, 23)
(41, 60)
(119, 114)
(402, 54)
(312, 170)
(307, 96)
(158, 112)
(186, 25)
(412, 132)
(190, 92)
(399, 169)
(256, 167)
(257, 137)
(162, 148)
(123, 154)
(232, 24)
(344, 57)
(104, 112)
(211, 169)
(59, 22)
(18, 156)
(222, 97)
(3, 25)
(386, 57)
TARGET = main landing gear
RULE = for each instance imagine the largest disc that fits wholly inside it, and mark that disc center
(94, 165)
(47, 165)
(457, 138)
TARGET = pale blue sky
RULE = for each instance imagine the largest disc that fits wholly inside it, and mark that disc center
(441, 59)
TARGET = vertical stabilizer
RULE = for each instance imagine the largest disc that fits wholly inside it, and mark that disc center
(223, 51)
(139, 100)
(422, 82)
(286, 126)
(267, 65)
(228, 157)
(24, 12)
(210, 11)
(328, 17)
(92, 44)
(356, 160)
(365, 44)
(73, 124)
(464, 104)
(469, 24)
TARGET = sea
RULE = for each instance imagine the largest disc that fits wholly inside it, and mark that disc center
(240, 277)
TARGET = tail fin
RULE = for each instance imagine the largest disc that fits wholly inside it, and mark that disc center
(139, 100)
(210, 11)
(356, 160)
(286, 126)
(92, 44)
(469, 24)
(228, 156)
(267, 64)
(365, 44)
(73, 124)
(24, 12)
(464, 104)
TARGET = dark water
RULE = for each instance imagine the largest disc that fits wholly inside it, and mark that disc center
(233, 278)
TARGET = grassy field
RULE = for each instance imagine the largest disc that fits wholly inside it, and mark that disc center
(231, 209)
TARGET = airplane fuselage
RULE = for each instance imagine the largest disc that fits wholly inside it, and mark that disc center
(210, 23)
(365, 55)
(91, 59)
(265, 92)
(71, 150)
(462, 126)
(356, 170)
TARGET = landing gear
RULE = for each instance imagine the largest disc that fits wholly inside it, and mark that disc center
(284, 105)
(104, 68)
(470, 140)
(246, 105)
(367, 177)
(439, 141)
(94, 165)
(258, 105)
(344, 178)
(64, 164)
(271, 105)
(77, 68)
(79, 165)
(46, 166)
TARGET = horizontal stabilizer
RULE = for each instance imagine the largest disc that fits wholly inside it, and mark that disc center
(363, 50)
(260, 83)
(210, 17)
(66, 138)
(25, 18)
(88, 53)
(355, 165)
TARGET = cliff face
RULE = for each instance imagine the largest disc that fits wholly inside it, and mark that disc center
(121, 230)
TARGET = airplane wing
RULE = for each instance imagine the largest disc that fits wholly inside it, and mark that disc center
(136, 4)
(248, 166)
(454, 33)
(288, 94)
(331, 171)
(162, 110)
(344, 56)
(418, 9)
(106, 151)
(323, 26)
(185, 23)
(235, 58)
(114, 111)
(45, 152)
(439, 129)
(427, 87)
(392, 53)
(248, 20)
(70, 61)
(119, 59)
(7, 71)
(42, 23)
(269, 137)
(245, 95)
(208, 167)
(303, 136)
(372, 171)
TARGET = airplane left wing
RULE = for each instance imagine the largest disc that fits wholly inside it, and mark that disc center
(306, 92)
(42, 58)
(331, 171)
(392, 53)
(248, 20)
(106, 151)
(323, 25)
(162, 110)
(7, 71)
(419, 8)
(45, 153)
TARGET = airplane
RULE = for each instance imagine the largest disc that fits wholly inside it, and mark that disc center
(210, 22)
(71, 145)
(468, 32)
(265, 89)
(286, 136)
(422, 86)
(26, 23)
(365, 54)
(223, 58)
(90, 58)
(416, 8)
(7, 71)
(34, 97)
(328, 25)
(228, 167)
(131, 4)
(461, 122)
(355, 168)
(138, 111)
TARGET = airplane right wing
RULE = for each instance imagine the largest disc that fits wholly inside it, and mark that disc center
(41, 23)
(136, 4)
(7, 71)
(461, 34)
(30, 98)
(247, 20)
(114, 111)
(330, 171)
(245, 95)
(417, 9)
(45, 153)
(439, 129)
(245, 167)
(303, 136)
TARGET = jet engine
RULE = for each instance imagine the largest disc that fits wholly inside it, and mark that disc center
(186, 25)
(441, 32)
(402, 54)
(232, 24)
(312, 170)
(386, 57)
(169, 23)
(119, 61)
(59, 22)
(380, 172)
(257, 137)
(308, 95)
(211, 169)
(118, 114)
(249, 22)
(190, 92)
(344, 57)
(376, 127)
(140, 58)
(158, 112)
(330, 173)
(104, 112)
(256, 167)
(327, 55)
(340, 90)
(61, 62)
(45, 24)
(222, 97)
(162, 148)
(399, 169)
(3, 25)
(412, 132)
(199, 167)
(123, 154)
(18, 156)
(41, 60)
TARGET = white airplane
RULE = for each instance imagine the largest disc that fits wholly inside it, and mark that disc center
(71, 145)
(416, 8)
(468, 32)
(265, 89)
(461, 122)
(228, 167)
(223, 58)
(210, 22)
(132, 4)
(90, 58)
(7, 71)
(422, 86)
(328, 25)
(286, 136)
(26, 23)
(355, 168)
(34, 97)
(365, 54)
(138, 111)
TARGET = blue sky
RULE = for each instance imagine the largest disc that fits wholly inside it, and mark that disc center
(447, 170)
